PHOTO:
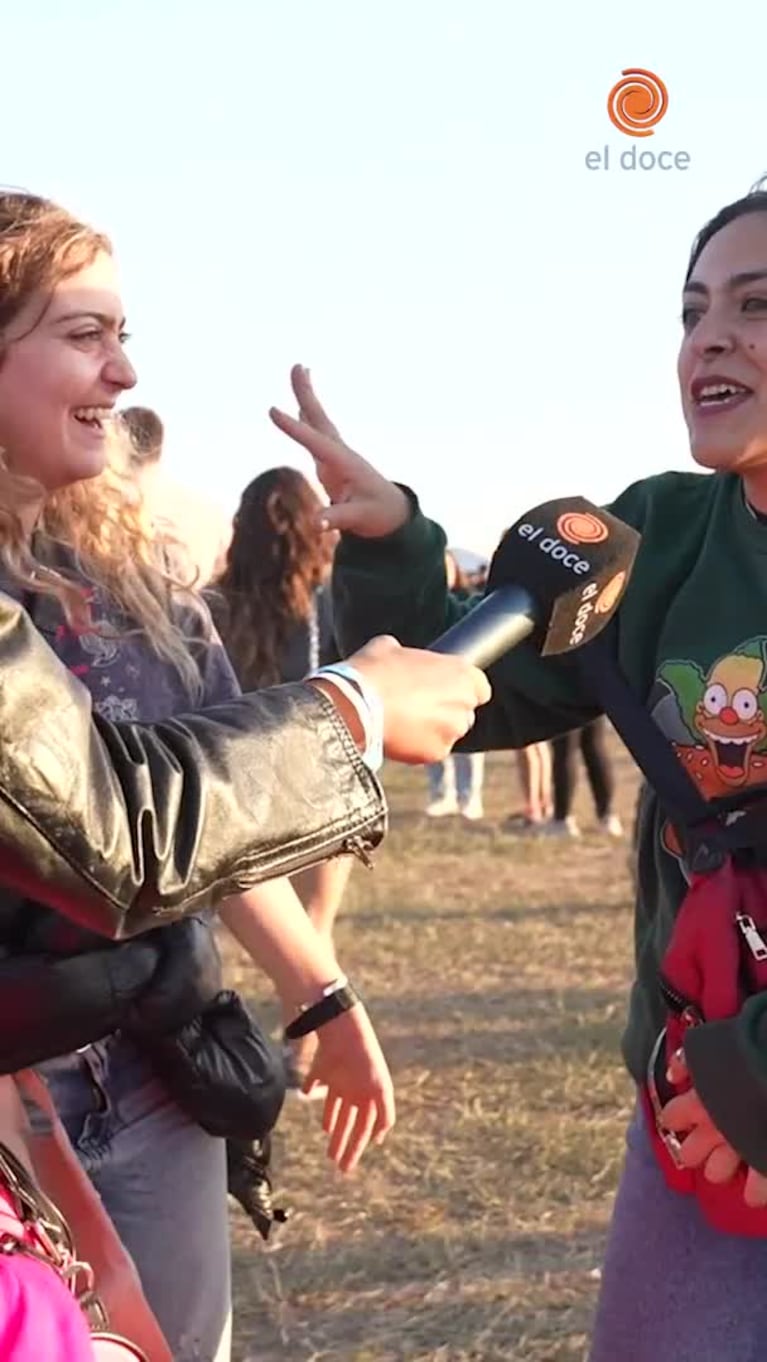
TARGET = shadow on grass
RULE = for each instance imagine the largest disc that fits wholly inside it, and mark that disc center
(381, 916)
(499, 1027)
(401, 1297)
(521, 1001)
(501, 1047)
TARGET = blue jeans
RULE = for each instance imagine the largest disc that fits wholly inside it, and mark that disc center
(461, 774)
(163, 1182)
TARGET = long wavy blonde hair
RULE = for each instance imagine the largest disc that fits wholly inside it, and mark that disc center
(102, 521)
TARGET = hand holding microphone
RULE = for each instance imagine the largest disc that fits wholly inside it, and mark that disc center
(428, 701)
(557, 577)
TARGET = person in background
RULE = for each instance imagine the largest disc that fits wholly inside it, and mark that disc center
(455, 784)
(147, 433)
(145, 436)
(479, 577)
(271, 605)
(196, 533)
(534, 770)
(591, 740)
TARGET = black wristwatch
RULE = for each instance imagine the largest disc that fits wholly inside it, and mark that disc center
(337, 998)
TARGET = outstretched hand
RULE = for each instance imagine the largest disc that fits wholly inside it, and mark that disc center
(362, 500)
(359, 1107)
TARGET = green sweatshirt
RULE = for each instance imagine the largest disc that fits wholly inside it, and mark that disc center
(692, 642)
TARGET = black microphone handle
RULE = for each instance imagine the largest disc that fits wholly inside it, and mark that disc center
(502, 619)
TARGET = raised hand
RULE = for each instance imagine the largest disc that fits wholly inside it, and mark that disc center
(362, 500)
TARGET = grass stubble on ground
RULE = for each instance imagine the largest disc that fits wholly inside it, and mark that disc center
(496, 970)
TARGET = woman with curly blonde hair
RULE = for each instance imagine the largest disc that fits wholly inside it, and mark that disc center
(76, 547)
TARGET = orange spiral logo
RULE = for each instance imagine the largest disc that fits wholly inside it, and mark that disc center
(609, 594)
(637, 102)
(580, 527)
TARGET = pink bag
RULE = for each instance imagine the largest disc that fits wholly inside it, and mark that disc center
(48, 1306)
(40, 1317)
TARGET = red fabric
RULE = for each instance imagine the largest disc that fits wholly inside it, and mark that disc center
(710, 965)
(708, 954)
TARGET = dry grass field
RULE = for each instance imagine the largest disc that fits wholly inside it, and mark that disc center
(496, 969)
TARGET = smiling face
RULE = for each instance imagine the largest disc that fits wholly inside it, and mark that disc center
(723, 358)
(62, 369)
(729, 716)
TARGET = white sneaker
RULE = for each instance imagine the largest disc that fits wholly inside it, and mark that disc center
(473, 809)
(611, 824)
(441, 808)
(561, 827)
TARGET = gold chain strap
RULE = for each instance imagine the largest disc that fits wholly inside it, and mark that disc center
(54, 1243)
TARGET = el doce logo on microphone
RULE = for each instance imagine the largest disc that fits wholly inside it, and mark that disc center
(635, 106)
(609, 594)
(580, 527)
(574, 527)
(606, 600)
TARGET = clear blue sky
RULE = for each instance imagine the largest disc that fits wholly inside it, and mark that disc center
(395, 195)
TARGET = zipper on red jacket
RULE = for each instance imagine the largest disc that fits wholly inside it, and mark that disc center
(754, 940)
(686, 1011)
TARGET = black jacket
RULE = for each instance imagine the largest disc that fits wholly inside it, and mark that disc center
(128, 827)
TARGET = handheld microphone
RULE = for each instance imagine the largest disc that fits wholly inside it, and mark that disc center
(558, 576)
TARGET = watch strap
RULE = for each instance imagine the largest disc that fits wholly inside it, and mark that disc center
(318, 1014)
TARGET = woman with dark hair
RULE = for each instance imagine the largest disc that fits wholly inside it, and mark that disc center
(271, 604)
(686, 1265)
(270, 601)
